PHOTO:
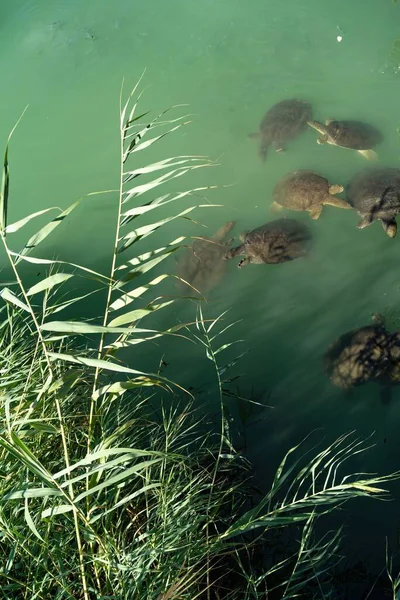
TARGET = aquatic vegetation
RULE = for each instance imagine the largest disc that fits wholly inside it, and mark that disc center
(112, 483)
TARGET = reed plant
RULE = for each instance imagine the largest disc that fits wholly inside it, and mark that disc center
(113, 483)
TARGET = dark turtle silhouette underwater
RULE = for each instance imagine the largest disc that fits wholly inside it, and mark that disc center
(283, 122)
(359, 355)
(201, 264)
(275, 242)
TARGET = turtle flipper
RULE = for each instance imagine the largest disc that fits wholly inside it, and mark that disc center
(275, 207)
(315, 211)
(365, 221)
(369, 154)
(390, 227)
(338, 202)
(335, 188)
(322, 139)
(223, 231)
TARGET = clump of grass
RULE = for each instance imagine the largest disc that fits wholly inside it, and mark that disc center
(111, 484)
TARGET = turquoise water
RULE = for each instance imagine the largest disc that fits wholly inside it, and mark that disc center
(230, 62)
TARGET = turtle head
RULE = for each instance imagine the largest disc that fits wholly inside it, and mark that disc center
(234, 252)
(390, 228)
(322, 129)
(378, 319)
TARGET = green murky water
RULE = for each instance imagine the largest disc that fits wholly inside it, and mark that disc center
(230, 61)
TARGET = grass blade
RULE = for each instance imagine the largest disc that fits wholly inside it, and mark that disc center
(10, 297)
(22, 222)
(45, 231)
(48, 283)
(4, 191)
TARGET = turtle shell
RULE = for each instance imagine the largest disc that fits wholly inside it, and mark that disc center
(301, 189)
(358, 356)
(375, 192)
(354, 134)
(392, 369)
(284, 121)
(278, 241)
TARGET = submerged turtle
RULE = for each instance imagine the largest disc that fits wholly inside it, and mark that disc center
(354, 135)
(283, 122)
(201, 265)
(375, 194)
(359, 355)
(276, 242)
(306, 190)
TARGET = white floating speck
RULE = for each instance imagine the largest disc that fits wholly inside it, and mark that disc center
(339, 38)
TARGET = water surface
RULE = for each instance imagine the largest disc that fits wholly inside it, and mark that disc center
(229, 61)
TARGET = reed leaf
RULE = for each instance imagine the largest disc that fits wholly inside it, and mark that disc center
(48, 283)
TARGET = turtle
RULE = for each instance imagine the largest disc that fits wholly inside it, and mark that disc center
(390, 375)
(306, 190)
(354, 135)
(375, 194)
(358, 356)
(201, 265)
(275, 242)
(283, 122)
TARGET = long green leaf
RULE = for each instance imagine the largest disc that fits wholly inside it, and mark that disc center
(146, 230)
(4, 191)
(142, 258)
(82, 327)
(19, 224)
(102, 454)
(129, 297)
(10, 297)
(135, 146)
(45, 231)
(46, 261)
(94, 362)
(61, 509)
(119, 478)
(135, 315)
(42, 492)
(5, 180)
(161, 164)
(143, 188)
(125, 500)
(118, 388)
(48, 283)
(30, 522)
(142, 269)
